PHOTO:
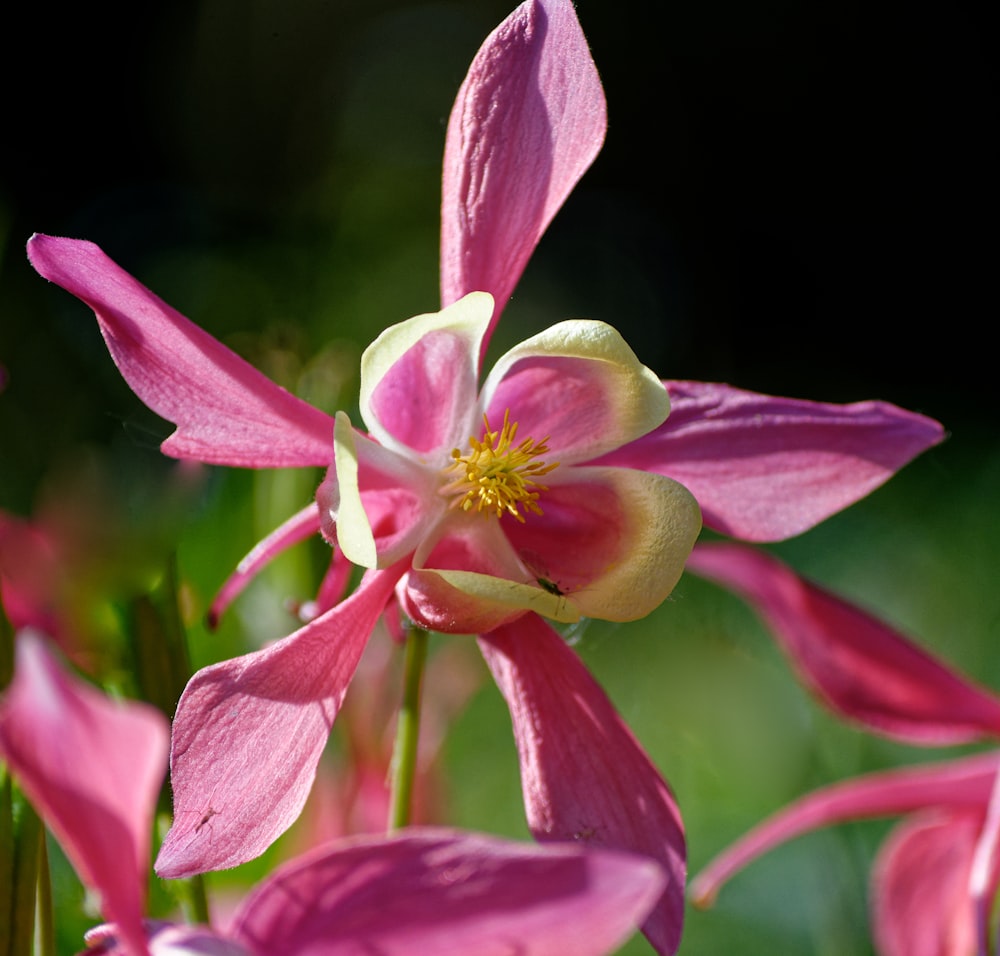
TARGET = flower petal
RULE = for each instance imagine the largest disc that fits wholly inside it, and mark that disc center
(375, 503)
(857, 664)
(584, 776)
(578, 386)
(765, 468)
(920, 899)
(165, 939)
(529, 119)
(439, 892)
(92, 768)
(964, 784)
(248, 733)
(612, 541)
(226, 412)
(466, 579)
(419, 378)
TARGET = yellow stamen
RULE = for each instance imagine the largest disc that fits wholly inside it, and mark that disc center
(496, 476)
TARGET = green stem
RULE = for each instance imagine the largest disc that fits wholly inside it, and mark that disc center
(45, 916)
(404, 756)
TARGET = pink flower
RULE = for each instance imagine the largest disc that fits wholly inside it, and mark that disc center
(518, 519)
(528, 121)
(92, 769)
(937, 874)
(422, 891)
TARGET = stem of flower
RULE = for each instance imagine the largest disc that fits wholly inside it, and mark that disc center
(45, 914)
(404, 755)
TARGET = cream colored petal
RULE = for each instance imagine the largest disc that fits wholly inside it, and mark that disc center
(661, 524)
(419, 378)
(579, 385)
(354, 532)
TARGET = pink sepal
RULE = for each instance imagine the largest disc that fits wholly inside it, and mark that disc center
(440, 892)
(964, 785)
(583, 774)
(919, 892)
(858, 665)
(226, 412)
(248, 733)
(297, 528)
(92, 768)
(765, 468)
(528, 120)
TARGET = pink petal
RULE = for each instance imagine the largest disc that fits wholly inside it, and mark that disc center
(854, 662)
(165, 939)
(439, 893)
(765, 468)
(583, 774)
(578, 387)
(419, 378)
(529, 119)
(297, 528)
(920, 899)
(248, 733)
(963, 784)
(92, 768)
(226, 412)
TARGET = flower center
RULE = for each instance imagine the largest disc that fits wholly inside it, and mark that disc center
(498, 476)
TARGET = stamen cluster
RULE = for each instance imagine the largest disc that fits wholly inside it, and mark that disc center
(498, 477)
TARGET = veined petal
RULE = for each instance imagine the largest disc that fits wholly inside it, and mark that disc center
(963, 784)
(920, 900)
(297, 528)
(375, 503)
(439, 892)
(419, 378)
(579, 386)
(92, 768)
(248, 733)
(764, 468)
(612, 541)
(584, 776)
(226, 412)
(529, 119)
(857, 664)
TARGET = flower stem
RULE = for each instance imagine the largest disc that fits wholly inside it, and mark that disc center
(404, 755)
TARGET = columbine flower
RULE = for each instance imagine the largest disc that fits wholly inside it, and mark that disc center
(421, 891)
(500, 520)
(936, 875)
(528, 121)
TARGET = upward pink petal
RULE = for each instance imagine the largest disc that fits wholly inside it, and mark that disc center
(583, 774)
(963, 784)
(92, 768)
(765, 468)
(859, 666)
(529, 119)
(920, 895)
(226, 412)
(248, 733)
(439, 892)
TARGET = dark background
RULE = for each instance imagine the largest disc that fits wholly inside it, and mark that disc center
(796, 198)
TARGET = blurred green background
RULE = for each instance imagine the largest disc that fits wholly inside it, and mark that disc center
(792, 198)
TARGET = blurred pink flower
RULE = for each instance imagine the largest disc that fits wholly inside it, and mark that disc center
(936, 876)
(528, 121)
(92, 768)
(421, 891)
